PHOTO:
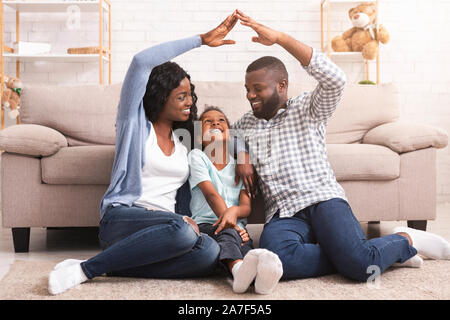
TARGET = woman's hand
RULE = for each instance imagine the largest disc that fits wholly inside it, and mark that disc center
(214, 38)
(266, 36)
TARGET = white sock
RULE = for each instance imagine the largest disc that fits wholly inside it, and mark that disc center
(235, 268)
(245, 272)
(428, 244)
(65, 278)
(269, 272)
(67, 262)
(414, 262)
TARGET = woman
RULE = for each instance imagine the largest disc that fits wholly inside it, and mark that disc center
(140, 234)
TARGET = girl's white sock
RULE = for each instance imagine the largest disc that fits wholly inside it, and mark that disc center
(269, 272)
(244, 272)
(428, 244)
(65, 277)
(414, 262)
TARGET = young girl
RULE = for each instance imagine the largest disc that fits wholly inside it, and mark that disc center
(220, 208)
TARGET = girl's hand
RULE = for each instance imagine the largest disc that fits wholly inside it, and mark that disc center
(244, 236)
(228, 220)
(214, 38)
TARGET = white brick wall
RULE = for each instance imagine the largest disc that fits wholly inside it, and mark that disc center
(416, 59)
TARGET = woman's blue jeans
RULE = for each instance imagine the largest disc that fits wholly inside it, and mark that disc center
(326, 238)
(150, 244)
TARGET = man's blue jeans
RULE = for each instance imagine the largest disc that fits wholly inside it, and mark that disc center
(326, 238)
(150, 244)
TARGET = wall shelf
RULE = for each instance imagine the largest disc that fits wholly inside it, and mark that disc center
(54, 57)
(326, 7)
(325, 3)
(54, 6)
(357, 56)
(48, 6)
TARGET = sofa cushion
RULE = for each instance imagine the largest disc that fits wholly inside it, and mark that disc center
(231, 97)
(93, 164)
(403, 136)
(362, 108)
(32, 140)
(85, 114)
(77, 111)
(228, 96)
(363, 162)
(79, 165)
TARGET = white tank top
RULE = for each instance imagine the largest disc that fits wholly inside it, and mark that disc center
(162, 175)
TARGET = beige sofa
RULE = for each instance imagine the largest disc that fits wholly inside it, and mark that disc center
(57, 163)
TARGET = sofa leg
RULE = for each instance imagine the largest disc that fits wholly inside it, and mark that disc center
(21, 239)
(418, 224)
(373, 229)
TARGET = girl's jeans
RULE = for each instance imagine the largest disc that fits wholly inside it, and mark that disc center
(229, 241)
(326, 238)
(150, 244)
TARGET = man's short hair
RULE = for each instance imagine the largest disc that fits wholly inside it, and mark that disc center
(270, 63)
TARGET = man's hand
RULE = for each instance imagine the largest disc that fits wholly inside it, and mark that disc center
(214, 38)
(244, 170)
(266, 36)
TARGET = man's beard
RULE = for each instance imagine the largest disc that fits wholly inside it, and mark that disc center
(269, 106)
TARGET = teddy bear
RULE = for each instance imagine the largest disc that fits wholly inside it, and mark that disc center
(11, 95)
(363, 36)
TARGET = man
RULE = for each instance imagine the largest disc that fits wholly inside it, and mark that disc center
(309, 222)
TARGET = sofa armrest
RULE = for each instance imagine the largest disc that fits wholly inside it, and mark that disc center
(406, 136)
(31, 139)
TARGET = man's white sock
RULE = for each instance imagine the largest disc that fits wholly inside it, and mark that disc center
(269, 272)
(428, 244)
(65, 278)
(244, 272)
(414, 262)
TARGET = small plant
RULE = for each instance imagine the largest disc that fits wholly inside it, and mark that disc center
(366, 82)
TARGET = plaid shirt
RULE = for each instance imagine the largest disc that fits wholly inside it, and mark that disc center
(289, 151)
